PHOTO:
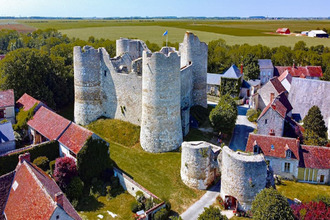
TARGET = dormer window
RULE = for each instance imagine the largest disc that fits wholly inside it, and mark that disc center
(256, 149)
(272, 147)
(288, 154)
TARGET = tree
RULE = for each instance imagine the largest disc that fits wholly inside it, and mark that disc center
(74, 190)
(212, 213)
(311, 210)
(326, 74)
(93, 159)
(282, 56)
(223, 116)
(270, 204)
(65, 170)
(251, 67)
(315, 129)
(300, 45)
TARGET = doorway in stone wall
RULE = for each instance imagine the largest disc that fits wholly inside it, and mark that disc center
(230, 202)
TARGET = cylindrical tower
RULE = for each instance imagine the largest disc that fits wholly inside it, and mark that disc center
(197, 165)
(122, 46)
(88, 106)
(243, 176)
(195, 52)
(161, 122)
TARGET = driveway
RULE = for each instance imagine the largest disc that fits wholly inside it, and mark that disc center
(242, 129)
(197, 208)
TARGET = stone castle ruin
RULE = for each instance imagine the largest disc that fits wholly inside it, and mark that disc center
(152, 90)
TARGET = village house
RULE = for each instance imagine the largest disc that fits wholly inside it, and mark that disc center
(7, 105)
(213, 84)
(29, 193)
(273, 117)
(308, 72)
(290, 159)
(286, 79)
(266, 70)
(267, 93)
(7, 138)
(27, 102)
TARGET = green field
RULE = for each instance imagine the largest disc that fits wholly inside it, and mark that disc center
(233, 32)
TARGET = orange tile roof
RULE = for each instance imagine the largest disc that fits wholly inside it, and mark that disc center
(301, 71)
(27, 102)
(75, 137)
(315, 157)
(7, 98)
(48, 123)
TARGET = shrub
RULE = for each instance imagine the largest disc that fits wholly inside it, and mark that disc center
(148, 204)
(93, 159)
(97, 188)
(252, 114)
(323, 198)
(162, 214)
(311, 210)
(211, 213)
(136, 206)
(270, 204)
(75, 189)
(52, 166)
(23, 117)
(42, 162)
(65, 170)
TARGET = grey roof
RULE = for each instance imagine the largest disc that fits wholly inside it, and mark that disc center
(233, 72)
(254, 82)
(213, 79)
(6, 132)
(265, 64)
(305, 93)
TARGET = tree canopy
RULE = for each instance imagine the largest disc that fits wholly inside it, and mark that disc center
(212, 213)
(251, 67)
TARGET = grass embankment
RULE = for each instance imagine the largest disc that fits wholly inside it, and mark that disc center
(305, 192)
(159, 173)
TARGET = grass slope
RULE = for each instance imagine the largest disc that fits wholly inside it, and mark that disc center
(159, 173)
(305, 192)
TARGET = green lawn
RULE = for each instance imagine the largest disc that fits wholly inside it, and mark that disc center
(305, 192)
(159, 173)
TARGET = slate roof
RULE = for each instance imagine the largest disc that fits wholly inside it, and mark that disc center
(75, 137)
(6, 132)
(305, 93)
(285, 75)
(265, 64)
(48, 123)
(26, 102)
(233, 72)
(245, 84)
(7, 98)
(277, 85)
(5, 184)
(34, 196)
(213, 78)
(315, 157)
(254, 82)
(280, 145)
(280, 104)
(301, 71)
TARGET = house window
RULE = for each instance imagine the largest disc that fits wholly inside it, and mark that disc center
(256, 149)
(287, 167)
(266, 121)
(2, 113)
(263, 73)
(288, 153)
(322, 179)
(269, 73)
(105, 73)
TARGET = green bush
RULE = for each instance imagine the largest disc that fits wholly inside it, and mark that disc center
(136, 206)
(200, 113)
(148, 204)
(23, 117)
(49, 149)
(212, 213)
(52, 166)
(42, 162)
(252, 114)
(162, 214)
(75, 189)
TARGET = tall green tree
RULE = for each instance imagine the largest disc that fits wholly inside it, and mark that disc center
(270, 204)
(223, 116)
(251, 67)
(315, 129)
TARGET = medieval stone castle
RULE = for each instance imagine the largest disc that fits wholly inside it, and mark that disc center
(152, 90)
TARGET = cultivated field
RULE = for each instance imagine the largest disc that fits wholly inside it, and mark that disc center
(233, 32)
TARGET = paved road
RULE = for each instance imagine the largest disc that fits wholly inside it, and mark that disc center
(242, 129)
(197, 208)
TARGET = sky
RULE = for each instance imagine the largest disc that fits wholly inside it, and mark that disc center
(179, 8)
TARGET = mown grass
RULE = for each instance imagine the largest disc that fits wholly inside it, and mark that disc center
(305, 192)
(119, 205)
(159, 173)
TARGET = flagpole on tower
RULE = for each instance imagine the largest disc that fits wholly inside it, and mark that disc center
(166, 34)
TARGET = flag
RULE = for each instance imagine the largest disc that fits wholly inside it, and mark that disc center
(165, 33)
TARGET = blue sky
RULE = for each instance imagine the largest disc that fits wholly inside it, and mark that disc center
(180, 8)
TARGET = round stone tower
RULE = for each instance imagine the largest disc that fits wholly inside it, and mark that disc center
(88, 106)
(195, 52)
(198, 164)
(122, 46)
(243, 176)
(161, 121)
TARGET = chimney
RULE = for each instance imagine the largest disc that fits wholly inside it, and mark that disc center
(242, 68)
(272, 97)
(22, 157)
(59, 198)
(272, 132)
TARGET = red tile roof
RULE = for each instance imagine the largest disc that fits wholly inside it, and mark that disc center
(280, 145)
(26, 102)
(315, 157)
(48, 123)
(285, 75)
(277, 85)
(301, 71)
(7, 98)
(280, 104)
(75, 137)
(5, 184)
(34, 196)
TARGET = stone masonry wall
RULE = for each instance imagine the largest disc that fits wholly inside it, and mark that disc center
(243, 176)
(274, 122)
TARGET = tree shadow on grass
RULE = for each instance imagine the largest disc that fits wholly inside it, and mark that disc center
(89, 204)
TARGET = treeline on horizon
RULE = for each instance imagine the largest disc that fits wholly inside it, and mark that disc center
(41, 63)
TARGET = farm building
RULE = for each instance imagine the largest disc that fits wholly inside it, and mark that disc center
(283, 31)
(318, 33)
